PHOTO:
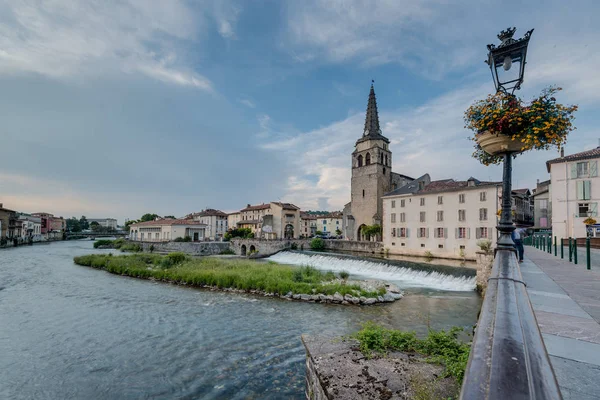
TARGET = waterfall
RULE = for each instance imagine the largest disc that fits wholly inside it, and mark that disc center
(402, 276)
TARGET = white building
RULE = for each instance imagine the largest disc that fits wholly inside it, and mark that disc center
(110, 223)
(233, 219)
(444, 218)
(31, 227)
(308, 224)
(275, 220)
(163, 230)
(215, 220)
(575, 192)
(330, 223)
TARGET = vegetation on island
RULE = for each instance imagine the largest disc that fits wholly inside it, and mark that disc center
(541, 124)
(120, 244)
(245, 275)
(439, 347)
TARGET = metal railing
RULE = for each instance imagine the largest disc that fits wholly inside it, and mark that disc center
(544, 242)
(508, 358)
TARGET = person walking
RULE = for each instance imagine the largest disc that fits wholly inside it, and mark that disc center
(518, 236)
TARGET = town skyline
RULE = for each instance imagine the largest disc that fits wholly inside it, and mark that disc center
(208, 96)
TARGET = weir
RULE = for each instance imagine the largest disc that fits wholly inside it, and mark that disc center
(406, 274)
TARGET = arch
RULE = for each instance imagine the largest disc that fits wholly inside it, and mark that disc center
(243, 250)
(360, 160)
(386, 163)
(289, 231)
(359, 234)
(252, 249)
(368, 159)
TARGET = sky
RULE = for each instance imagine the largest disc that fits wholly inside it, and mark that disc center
(117, 108)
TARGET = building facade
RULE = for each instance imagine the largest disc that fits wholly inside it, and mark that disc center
(308, 225)
(330, 224)
(522, 207)
(233, 219)
(216, 222)
(51, 227)
(164, 230)
(372, 176)
(575, 193)
(444, 218)
(8, 221)
(110, 223)
(542, 206)
(275, 220)
(31, 227)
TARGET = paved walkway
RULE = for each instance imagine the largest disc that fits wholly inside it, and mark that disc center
(566, 301)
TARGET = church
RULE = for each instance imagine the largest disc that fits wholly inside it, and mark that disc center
(372, 176)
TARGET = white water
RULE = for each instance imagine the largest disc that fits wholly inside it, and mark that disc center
(403, 277)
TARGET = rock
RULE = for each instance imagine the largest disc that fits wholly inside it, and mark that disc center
(380, 299)
(289, 294)
(348, 297)
(329, 298)
(345, 302)
(370, 301)
(397, 296)
(388, 298)
(337, 298)
(362, 299)
(392, 288)
(296, 297)
(322, 297)
(314, 297)
(305, 297)
(355, 300)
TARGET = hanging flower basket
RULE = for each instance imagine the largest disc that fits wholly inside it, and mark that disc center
(504, 123)
(589, 221)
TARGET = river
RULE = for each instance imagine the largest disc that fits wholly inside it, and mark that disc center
(71, 332)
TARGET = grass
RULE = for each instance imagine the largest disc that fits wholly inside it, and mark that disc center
(440, 347)
(224, 273)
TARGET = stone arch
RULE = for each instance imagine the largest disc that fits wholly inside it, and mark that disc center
(243, 250)
(289, 231)
(360, 160)
(359, 234)
(252, 249)
(368, 159)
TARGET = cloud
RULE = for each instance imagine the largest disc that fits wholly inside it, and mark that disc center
(247, 102)
(226, 15)
(66, 39)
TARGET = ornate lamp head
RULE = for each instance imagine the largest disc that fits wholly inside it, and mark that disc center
(501, 59)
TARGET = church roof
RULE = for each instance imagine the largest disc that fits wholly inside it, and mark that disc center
(410, 187)
(372, 129)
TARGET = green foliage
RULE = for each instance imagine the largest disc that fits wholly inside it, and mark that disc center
(371, 230)
(344, 275)
(485, 245)
(227, 251)
(134, 247)
(151, 248)
(440, 347)
(318, 233)
(103, 243)
(338, 232)
(183, 239)
(244, 233)
(329, 275)
(294, 246)
(148, 217)
(223, 273)
(317, 244)
(169, 217)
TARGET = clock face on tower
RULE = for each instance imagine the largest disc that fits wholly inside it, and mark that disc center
(366, 132)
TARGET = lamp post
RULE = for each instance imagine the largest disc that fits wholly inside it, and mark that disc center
(508, 55)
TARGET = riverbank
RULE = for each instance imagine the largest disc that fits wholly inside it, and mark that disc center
(247, 276)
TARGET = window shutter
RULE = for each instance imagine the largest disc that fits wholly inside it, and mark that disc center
(435, 233)
(580, 190)
(587, 189)
(477, 233)
(468, 233)
(407, 231)
(594, 209)
(593, 169)
(573, 170)
(456, 233)
(427, 232)
(445, 232)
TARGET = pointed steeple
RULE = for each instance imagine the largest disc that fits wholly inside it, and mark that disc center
(372, 118)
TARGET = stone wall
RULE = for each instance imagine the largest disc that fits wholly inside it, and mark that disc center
(484, 269)
(192, 248)
(350, 245)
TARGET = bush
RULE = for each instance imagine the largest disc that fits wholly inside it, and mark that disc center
(344, 275)
(227, 251)
(151, 248)
(317, 244)
(294, 246)
(177, 257)
(183, 239)
(485, 245)
(103, 243)
(134, 247)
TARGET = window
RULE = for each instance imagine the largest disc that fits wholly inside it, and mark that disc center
(386, 163)
(440, 216)
(482, 233)
(368, 159)
(483, 214)
(422, 244)
(461, 233)
(585, 207)
(402, 217)
(402, 232)
(393, 203)
(462, 215)
(324, 222)
(402, 203)
(337, 222)
(440, 200)
(422, 201)
(360, 160)
(393, 232)
(393, 217)
(584, 189)
(384, 170)
(462, 247)
(440, 246)
(461, 198)
(423, 233)
(482, 196)
(363, 193)
(543, 204)
(422, 216)
(582, 169)
(440, 232)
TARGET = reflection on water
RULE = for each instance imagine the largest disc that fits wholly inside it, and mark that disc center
(70, 332)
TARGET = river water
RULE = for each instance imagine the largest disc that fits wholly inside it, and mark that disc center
(71, 332)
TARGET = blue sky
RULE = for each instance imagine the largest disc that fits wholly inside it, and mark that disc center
(118, 108)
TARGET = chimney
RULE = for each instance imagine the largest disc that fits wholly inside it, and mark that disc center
(562, 152)
(248, 204)
(538, 182)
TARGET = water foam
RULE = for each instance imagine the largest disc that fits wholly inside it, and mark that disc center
(404, 277)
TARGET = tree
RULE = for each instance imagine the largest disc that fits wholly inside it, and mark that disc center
(149, 217)
(245, 233)
(83, 223)
(338, 232)
(73, 225)
(96, 227)
(170, 217)
(318, 233)
(371, 230)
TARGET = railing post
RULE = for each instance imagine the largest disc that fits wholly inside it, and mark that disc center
(562, 248)
(575, 250)
(549, 239)
(587, 250)
(570, 250)
(554, 246)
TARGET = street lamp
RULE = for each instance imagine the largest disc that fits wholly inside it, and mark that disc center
(501, 60)
(507, 61)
